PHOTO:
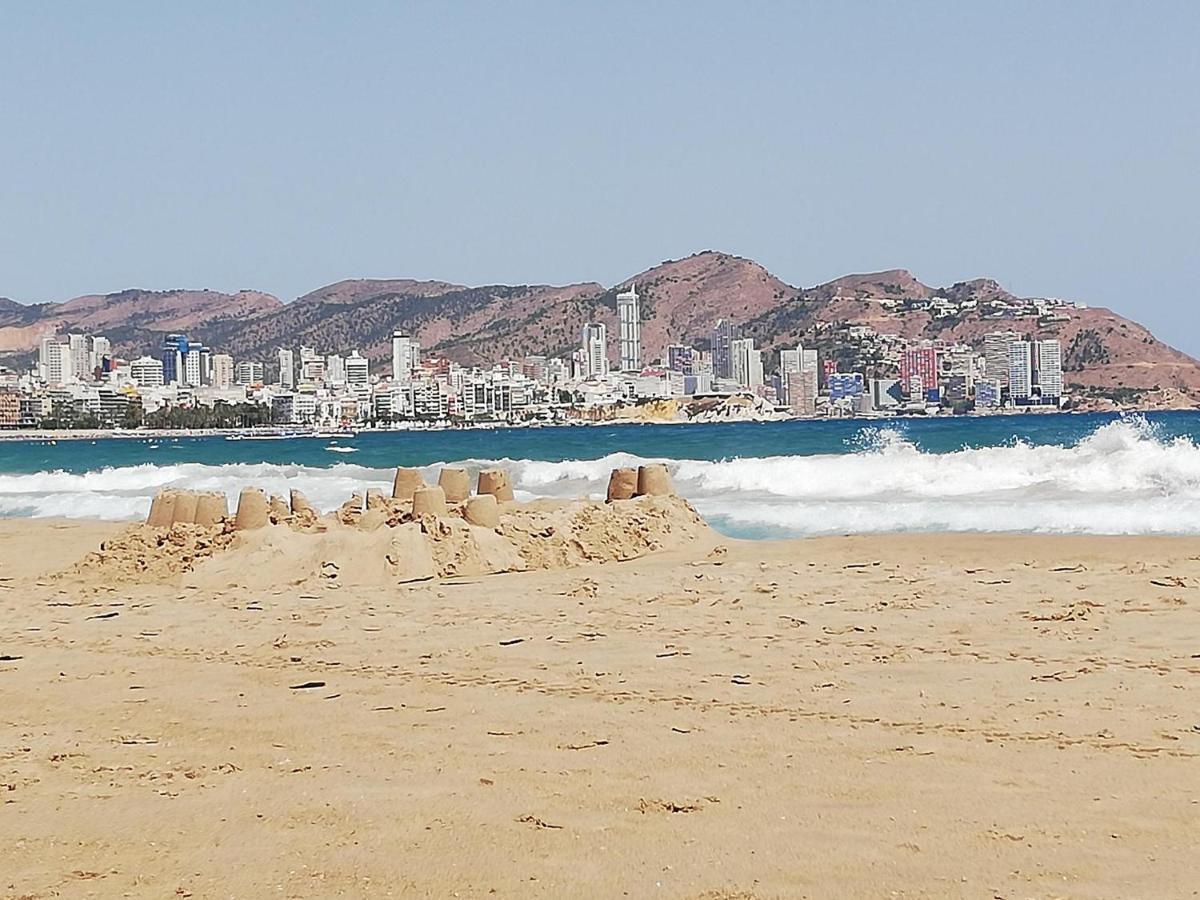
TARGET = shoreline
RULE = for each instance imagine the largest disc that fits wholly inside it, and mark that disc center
(316, 433)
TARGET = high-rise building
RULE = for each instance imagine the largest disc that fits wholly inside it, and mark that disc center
(723, 334)
(248, 373)
(184, 362)
(746, 368)
(681, 358)
(919, 369)
(595, 350)
(995, 354)
(312, 366)
(1048, 366)
(802, 392)
(54, 360)
(406, 353)
(287, 367)
(1020, 371)
(629, 317)
(335, 369)
(358, 370)
(222, 371)
(147, 372)
(81, 357)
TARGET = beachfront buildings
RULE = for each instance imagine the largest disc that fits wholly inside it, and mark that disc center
(841, 369)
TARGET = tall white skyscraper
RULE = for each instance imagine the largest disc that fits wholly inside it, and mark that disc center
(746, 362)
(1020, 370)
(406, 353)
(1049, 368)
(629, 316)
(287, 367)
(595, 350)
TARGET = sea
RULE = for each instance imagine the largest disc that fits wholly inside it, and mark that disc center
(1049, 474)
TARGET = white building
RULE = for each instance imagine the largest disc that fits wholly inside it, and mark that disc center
(1020, 370)
(406, 353)
(287, 367)
(595, 350)
(248, 373)
(746, 362)
(629, 316)
(358, 370)
(1049, 368)
(146, 372)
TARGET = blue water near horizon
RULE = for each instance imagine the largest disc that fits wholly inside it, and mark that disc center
(1071, 473)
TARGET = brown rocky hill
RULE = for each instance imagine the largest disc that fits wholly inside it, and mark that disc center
(1101, 349)
(681, 301)
(134, 320)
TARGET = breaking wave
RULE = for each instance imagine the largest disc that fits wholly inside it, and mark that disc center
(1123, 478)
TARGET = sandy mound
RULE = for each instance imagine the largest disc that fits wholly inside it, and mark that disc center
(386, 545)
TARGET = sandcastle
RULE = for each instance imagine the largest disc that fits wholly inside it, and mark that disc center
(494, 482)
(455, 483)
(421, 531)
(173, 507)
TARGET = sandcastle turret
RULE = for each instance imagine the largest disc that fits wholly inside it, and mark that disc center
(211, 508)
(482, 510)
(162, 509)
(407, 483)
(184, 511)
(455, 483)
(496, 483)
(654, 481)
(429, 501)
(299, 503)
(622, 484)
(253, 510)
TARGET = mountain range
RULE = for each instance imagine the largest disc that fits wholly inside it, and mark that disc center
(1105, 354)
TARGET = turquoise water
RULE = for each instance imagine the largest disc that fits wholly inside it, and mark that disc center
(1056, 473)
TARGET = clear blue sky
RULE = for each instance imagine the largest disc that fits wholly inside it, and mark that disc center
(280, 146)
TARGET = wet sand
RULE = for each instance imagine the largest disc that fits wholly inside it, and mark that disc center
(913, 716)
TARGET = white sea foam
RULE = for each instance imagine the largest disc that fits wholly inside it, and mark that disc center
(1121, 479)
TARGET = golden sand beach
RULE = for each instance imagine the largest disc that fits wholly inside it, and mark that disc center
(886, 716)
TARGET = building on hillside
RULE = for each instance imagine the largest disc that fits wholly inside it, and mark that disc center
(629, 319)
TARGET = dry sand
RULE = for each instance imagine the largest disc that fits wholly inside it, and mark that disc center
(887, 716)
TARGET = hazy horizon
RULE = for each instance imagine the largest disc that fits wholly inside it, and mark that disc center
(280, 147)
